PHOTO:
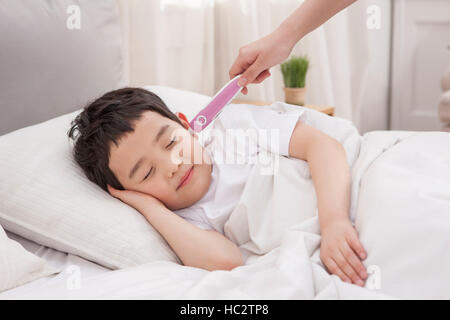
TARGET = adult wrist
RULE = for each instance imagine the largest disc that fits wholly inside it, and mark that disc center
(290, 33)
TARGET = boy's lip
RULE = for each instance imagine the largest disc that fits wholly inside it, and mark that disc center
(186, 174)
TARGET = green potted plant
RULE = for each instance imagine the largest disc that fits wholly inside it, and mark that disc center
(294, 75)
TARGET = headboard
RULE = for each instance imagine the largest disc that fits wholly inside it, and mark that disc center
(55, 56)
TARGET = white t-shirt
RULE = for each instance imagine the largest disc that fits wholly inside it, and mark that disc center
(241, 122)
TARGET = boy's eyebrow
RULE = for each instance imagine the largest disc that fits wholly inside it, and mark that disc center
(160, 133)
(138, 164)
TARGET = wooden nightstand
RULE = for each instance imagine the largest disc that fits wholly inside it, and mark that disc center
(325, 109)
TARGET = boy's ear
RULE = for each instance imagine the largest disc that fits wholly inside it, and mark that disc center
(182, 118)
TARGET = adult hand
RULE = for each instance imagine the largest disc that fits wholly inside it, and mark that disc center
(342, 252)
(256, 58)
(138, 200)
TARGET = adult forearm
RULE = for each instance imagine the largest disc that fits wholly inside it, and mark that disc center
(332, 180)
(195, 247)
(308, 16)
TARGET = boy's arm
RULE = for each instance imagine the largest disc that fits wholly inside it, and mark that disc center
(330, 173)
(206, 249)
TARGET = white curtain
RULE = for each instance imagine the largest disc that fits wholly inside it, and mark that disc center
(191, 45)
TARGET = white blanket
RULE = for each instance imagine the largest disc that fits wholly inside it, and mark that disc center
(400, 206)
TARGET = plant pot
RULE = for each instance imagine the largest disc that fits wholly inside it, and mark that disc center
(295, 96)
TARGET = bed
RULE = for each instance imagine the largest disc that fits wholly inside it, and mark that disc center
(400, 191)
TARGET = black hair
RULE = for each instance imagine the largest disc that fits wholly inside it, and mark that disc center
(106, 120)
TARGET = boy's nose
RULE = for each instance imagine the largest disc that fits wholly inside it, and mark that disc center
(174, 169)
(175, 164)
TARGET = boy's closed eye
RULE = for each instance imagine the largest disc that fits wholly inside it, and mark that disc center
(169, 146)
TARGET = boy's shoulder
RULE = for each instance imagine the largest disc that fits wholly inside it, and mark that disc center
(243, 115)
(233, 110)
(233, 113)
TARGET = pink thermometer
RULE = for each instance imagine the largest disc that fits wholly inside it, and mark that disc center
(216, 105)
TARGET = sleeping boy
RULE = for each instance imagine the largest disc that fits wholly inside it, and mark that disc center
(130, 144)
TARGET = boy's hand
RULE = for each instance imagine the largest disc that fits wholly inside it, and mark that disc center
(138, 200)
(342, 252)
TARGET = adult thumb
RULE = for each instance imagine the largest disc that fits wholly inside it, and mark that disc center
(251, 73)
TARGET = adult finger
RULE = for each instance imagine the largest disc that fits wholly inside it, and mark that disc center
(265, 74)
(346, 267)
(354, 261)
(252, 72)
(242, 62)
(333, 268)
(262, 76)
(236, 68)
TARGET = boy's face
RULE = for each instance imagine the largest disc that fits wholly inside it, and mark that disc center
(166, 150)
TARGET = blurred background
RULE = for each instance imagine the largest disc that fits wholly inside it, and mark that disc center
(380, 63)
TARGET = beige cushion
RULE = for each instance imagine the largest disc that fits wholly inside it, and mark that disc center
(48, 69)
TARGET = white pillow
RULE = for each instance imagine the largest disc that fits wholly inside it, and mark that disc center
(45, 196)
(17, 265)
